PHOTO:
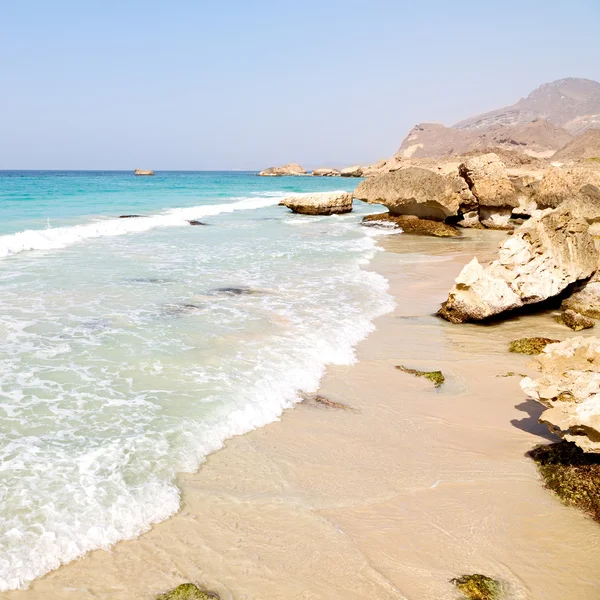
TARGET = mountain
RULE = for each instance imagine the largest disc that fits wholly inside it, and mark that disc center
(584, 146)
(570, 103)
(537, 125)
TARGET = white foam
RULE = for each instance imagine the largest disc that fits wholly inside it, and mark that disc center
(62, 237)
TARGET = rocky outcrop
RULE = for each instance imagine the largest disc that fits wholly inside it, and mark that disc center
(143, 172)
(327, 203)
(411, 225)
(539, 261)
(411, 191)
(355, 171)
(586, 301)
(575, 321)
(289, 169)
(564, 183)
(325, 172)
(569, 386)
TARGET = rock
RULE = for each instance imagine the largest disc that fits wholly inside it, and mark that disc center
(131, 216)
(326, 203)
(326, 172)
(586, 301)
(188, 591)
(411, 225)
(569, 386)
(563, 183)
(143, 172)
(571, 474)
(352, 171)
(478, 587)
(195, 222)
(532, 345)
(289, 169)
(496, 218)
(542, 258)
(575, 321)
(435, 377)
(411, 191)
(586, 203)
(488, 180)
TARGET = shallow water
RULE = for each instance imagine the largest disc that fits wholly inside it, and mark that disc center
(130, 349)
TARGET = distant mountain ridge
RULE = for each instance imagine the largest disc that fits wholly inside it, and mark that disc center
(538, 125)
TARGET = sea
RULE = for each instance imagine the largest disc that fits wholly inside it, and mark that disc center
(132, 348)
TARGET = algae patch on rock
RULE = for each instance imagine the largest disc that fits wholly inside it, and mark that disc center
(574, 320)
(572, 474)
(436, 377)
(188, 591)
(478, 587)
(533, 345)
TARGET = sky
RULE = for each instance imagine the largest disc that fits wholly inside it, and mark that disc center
(196, 85)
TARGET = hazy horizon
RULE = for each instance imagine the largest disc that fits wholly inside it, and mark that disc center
(238, 87)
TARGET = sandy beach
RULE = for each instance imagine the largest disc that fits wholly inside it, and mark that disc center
(388, 499)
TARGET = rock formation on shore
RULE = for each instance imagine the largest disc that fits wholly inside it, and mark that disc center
(539, 261)
(411, 225)
(412, 191)
(563, 183)
(355, 171)
(143, 172)
(327, 203)
(326, 172)
(586, 300)
(569, 386)
(289, 169)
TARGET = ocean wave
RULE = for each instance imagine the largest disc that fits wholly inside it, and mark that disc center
(61, 237)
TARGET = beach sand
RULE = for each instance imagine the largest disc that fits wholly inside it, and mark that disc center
(409, 487)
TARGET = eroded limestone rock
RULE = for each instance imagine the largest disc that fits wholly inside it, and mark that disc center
(569, 386)
(326, 203)
(542, 258)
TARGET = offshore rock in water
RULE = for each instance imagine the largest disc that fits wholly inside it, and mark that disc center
(143, 172)
(195, 222)
(289, 169)
(131, 216)
(188, 591)
(542, 258)
(326, 172)
(326, 203)
(234, 291)
(411, 224)
(569, 386)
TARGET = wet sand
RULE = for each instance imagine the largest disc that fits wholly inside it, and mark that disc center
(389, 499)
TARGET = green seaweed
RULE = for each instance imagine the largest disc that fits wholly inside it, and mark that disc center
(572, 474)
(478, 587)
(188, 591)
(512, 374)
(436, 377)
(533, 345)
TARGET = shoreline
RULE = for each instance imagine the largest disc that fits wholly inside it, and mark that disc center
(390, 499)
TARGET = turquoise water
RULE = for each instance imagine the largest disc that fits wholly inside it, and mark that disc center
(132, 348)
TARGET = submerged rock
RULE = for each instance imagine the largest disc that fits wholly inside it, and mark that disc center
(326, 203)
(143, 172)
(543, 257)
(478, 587)
(411, 225)
(412, 191)
(289, 169)
(195, 222)
(571, 474)
(575, 321)
(532, 345)
(234, 291)
(188, 591)
(569, 386)
(131, 216)
(435, 377)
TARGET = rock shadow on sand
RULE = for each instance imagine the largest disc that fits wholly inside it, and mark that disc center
(531, 423)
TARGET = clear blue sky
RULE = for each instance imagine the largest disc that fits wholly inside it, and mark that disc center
(244, 85)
